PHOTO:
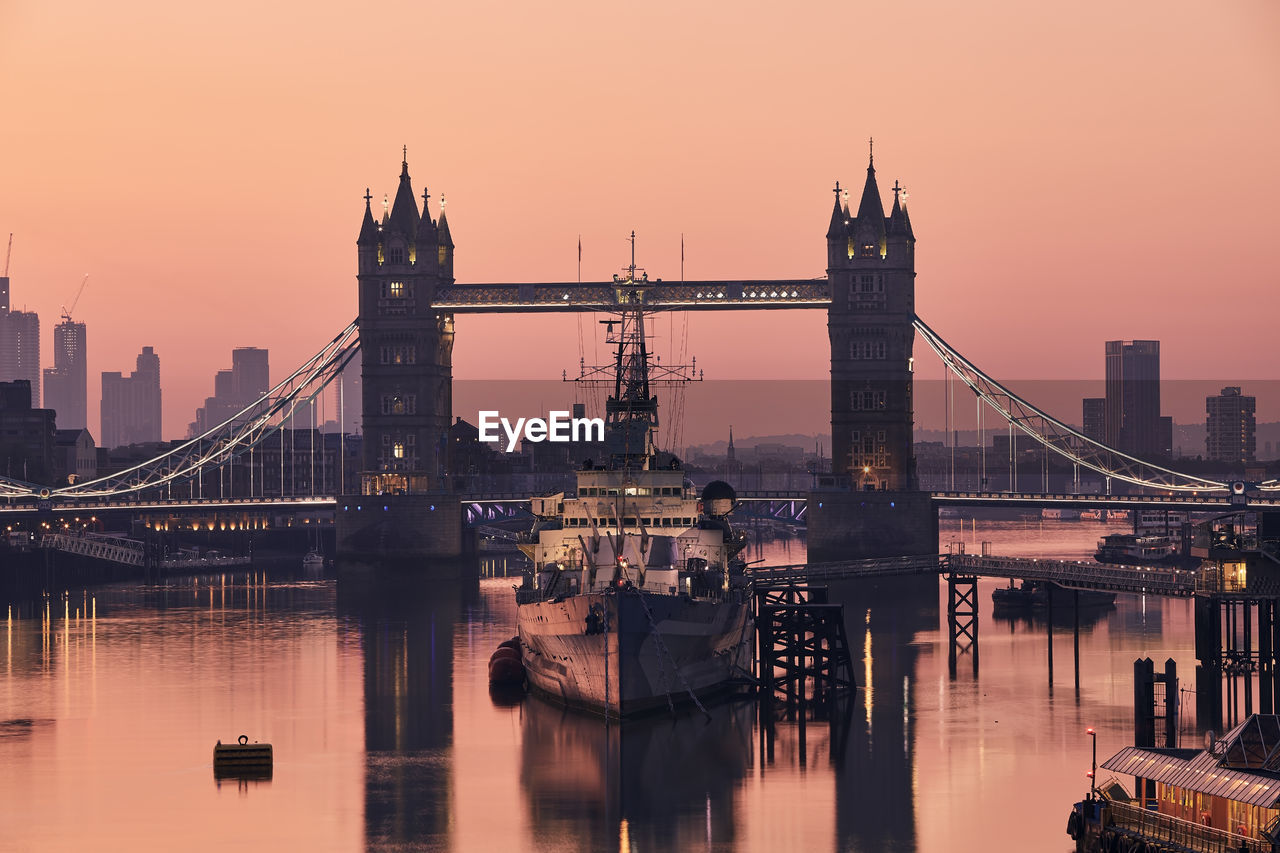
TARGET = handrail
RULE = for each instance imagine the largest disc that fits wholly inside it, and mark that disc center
(1191, 836)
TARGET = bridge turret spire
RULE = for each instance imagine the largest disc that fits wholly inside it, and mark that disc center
(836, 230)
(897, 216)
(870, 208)
(444, 241)
(428, 234)
(404, 210)
(369, 226)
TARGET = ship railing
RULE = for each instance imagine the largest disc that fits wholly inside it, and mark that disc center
(1195, 837)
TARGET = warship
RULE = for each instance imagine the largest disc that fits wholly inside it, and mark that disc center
(636, 599)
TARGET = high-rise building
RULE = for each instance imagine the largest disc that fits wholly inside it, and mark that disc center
(251, 374)
(66, 384)
(131, 404)
(27, 436)
(248, 380)
(1231, 427)
(20, 349)
(871, 268)
(1095, 418)
(1133, 399)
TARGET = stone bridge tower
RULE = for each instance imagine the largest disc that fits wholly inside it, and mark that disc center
(404, 518)
(407, 346)
(871, 270)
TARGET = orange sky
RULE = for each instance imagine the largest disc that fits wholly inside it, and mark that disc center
(1077, 173)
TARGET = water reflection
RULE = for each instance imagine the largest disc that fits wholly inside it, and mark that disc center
(406, 629)
(659, 784)
(386, 736)
(874, 788)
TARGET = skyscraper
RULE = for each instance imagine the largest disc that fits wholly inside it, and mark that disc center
(66, 384)
(251, 374)
(1095, 418)
(1133, 399)
(131, 404)
(20, 349)
(248, 380)
(1230, 426)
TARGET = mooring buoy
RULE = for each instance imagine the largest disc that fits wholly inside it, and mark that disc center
(242, 759)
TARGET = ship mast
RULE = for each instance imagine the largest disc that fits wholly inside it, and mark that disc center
(631, 411)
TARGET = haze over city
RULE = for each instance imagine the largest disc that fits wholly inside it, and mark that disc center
(1075, 175)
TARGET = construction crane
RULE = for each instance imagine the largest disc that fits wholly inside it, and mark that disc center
(66, 312)
(8, 254)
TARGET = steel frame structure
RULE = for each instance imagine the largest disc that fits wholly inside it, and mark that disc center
(1062, 439)
(223, 443)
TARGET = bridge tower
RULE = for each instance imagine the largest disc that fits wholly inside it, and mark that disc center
(871, 271)
(403, 510)
(871, 506)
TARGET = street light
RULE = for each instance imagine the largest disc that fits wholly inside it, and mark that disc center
(1093, 765)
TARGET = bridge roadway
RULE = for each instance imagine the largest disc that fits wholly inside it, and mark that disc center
(1070, 574)
(1200, 503)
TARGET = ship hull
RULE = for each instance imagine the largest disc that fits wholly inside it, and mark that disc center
(624, 653)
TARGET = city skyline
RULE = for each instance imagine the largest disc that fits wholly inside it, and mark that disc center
(1055, 187)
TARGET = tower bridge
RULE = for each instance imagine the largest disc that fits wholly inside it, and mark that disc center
(408, 297)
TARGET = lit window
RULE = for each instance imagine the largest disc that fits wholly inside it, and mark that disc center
(397, 289)
(397, 450)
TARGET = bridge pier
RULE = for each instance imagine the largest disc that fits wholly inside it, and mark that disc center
(1225, 627)
(962, 619)
(418, 535)
(853, 525)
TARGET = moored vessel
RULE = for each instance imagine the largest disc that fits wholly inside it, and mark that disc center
(1036, 595)
(636, 599)
(1134, 549)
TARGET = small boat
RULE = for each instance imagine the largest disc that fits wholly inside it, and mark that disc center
(313, 560)
(1134, 549)
(1034, 595)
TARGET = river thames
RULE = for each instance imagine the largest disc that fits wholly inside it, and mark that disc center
(386, 737)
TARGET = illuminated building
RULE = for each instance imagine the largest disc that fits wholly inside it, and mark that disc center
(66, 384)
(1230, 426)
(871, 267)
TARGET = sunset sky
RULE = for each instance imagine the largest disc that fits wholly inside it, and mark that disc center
(1077, 172)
